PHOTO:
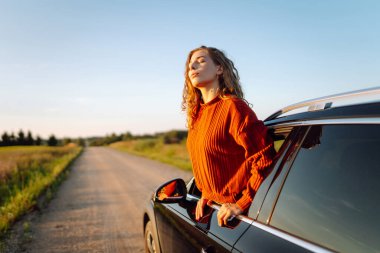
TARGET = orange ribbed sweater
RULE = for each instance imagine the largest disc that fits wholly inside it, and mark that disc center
(229, 150)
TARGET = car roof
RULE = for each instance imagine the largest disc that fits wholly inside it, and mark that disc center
(363, 103)
(363, 110)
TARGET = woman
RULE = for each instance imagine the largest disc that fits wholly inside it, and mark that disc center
(229, 147)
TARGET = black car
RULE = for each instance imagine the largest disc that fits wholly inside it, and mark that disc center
(322, 195)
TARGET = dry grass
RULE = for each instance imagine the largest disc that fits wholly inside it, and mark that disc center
(19, 157)
(173, 154)
(25, 172)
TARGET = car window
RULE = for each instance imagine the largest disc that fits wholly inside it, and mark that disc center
(331, 194)
(280, 136)
(193, 190)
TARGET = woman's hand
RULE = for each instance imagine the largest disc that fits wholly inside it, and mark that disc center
(226, 211)
(200, 208)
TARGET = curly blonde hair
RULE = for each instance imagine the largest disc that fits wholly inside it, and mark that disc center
(229, 83)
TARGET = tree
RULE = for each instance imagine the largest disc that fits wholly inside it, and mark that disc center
(174, 136)
(12, 139)
(38, 141)
(127, 136)
(5, 139)
(81, 142)
(52, 141)
(29, 139)
(111, 139)
(20, 138)
(66, 141)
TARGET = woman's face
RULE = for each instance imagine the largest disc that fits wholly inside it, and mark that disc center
(202, 71)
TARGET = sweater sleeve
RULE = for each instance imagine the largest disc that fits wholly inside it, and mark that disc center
(259, 163)
(252, 135)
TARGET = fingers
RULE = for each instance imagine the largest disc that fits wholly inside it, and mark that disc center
(227, 211)
(199, 209)
(222, 220)
(223, 215)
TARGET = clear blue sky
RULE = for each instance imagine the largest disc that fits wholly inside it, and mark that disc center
(83, 68)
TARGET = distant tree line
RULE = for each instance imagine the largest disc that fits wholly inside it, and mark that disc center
(22, 139)
(108, 139)
(173, 136)
(170, 137)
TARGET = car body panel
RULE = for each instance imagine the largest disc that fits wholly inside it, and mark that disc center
(258, 240)
(178, 227)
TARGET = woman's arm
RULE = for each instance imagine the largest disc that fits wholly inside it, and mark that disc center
(251, 133)
(258, 163)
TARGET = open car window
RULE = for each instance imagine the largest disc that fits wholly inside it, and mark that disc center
(282, 137)
(193, 189)
(279, 136)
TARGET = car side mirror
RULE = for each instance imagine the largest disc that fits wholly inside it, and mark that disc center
(173, 191)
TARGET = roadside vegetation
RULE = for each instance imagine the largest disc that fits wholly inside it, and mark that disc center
(168, 147)
(28, 171)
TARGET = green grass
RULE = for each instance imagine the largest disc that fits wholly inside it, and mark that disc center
(154, 148)
(27, 172)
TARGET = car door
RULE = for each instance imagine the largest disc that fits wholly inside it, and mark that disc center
(259, 237)
(325, 198)
(178, 230)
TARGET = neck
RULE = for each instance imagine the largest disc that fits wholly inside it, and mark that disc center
(209, 92)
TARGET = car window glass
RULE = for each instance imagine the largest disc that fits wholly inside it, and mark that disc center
(279, 136)
(194, 189)
(330, 195)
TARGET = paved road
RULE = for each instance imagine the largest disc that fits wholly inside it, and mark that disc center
(99, 207)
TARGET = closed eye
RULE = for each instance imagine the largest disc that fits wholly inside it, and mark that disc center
(200, 59)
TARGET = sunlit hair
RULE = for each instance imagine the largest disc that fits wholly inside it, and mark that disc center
(229, 83)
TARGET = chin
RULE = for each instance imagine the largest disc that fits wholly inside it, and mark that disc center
(198, 84)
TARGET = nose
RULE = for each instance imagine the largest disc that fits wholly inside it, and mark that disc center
(193, 66)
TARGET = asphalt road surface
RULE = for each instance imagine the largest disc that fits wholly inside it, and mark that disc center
(99, 207)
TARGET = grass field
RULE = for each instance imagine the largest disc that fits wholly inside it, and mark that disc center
(154, 148)
(25, 173)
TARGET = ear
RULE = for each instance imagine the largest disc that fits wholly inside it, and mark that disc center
(219, 70)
